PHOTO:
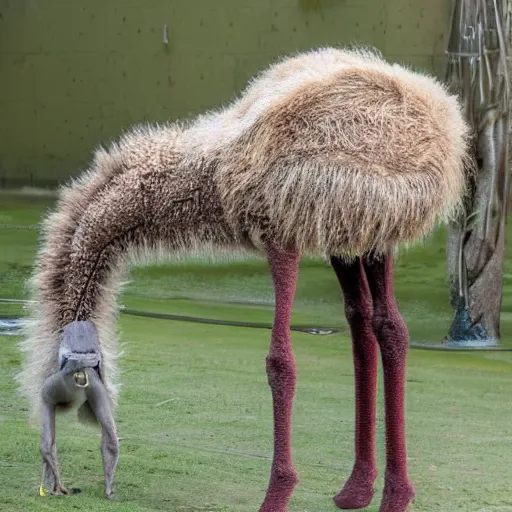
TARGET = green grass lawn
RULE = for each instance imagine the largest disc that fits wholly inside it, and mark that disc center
(208, 447)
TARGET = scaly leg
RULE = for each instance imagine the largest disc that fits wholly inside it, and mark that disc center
(281, 371)
(358, 490)
(393, 339)
(100, 405)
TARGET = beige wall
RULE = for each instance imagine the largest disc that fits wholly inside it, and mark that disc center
(76, 73)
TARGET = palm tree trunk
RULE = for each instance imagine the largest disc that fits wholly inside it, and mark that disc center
(478, 69)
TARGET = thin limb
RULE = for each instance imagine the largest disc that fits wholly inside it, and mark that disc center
(281, 371)
(393, 339)
(358, 490)
(99, 403)
(58, 390)
(51, 475)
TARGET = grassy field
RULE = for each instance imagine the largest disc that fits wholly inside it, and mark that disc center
(208, 447)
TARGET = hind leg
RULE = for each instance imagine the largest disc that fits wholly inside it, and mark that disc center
(51, 475)
(393, 339)
(100, 405)
(358, 490)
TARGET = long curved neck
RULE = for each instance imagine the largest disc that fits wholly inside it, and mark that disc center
(136, 211)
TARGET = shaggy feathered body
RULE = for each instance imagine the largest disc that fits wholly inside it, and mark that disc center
(329, 152)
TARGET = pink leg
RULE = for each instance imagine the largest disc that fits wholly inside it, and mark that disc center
(393, 339)
(281, 371)
(358, 490)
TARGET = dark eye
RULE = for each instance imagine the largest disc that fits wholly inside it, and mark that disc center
(63, 362)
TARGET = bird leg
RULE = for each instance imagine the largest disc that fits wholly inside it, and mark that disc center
(393, 340)
(358, 490)
(281, 371)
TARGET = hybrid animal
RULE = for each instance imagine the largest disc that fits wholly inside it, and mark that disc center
(333, 153)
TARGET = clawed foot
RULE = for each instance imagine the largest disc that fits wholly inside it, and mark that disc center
(109, 493)
(60, 490)
(398, 493)
(358, 490)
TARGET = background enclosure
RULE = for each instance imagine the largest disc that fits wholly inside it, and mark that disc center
(75, 74)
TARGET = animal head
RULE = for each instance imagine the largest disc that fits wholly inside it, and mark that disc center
(79, 349)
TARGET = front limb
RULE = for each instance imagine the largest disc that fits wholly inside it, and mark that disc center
(55, 391)
(100, 405)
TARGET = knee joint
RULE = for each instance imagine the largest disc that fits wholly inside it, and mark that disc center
(110, 447)
(285, 478)
(280, 369)
(392, 334)
(356, 314)
(113, 449)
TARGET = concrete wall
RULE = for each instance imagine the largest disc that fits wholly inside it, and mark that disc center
(76, 73)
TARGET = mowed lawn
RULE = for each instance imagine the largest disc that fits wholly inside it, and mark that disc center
(195, 411)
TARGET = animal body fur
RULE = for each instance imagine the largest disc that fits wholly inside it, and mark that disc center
(330, 152)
